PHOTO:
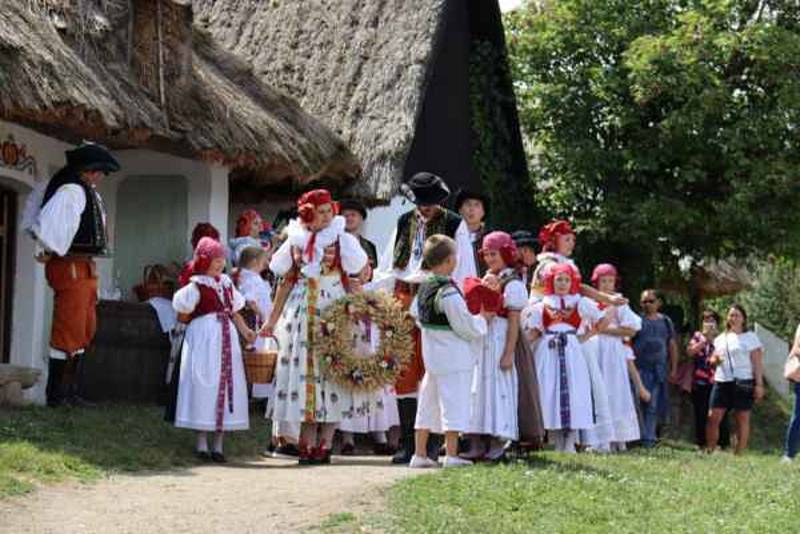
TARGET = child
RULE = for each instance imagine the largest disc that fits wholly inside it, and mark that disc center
(302, 393)
(615, 358)
(565, 387)
(495, 387)
(249, 229)
(257, 294)
(447, 329)
(212, 392)
(558, 242)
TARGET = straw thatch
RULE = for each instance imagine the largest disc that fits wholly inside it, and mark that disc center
(74, 79)
(712, 279)
(360, 65)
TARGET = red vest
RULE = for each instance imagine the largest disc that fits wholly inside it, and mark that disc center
(552, 316)
(210, 303)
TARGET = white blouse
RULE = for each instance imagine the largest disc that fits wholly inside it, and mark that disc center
(187, 298)
(353, 257)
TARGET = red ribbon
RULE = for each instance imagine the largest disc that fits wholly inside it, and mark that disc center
(226, 371)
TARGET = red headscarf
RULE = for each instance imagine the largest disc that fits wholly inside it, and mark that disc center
(311, 200)
(501, 242)
(202, 230)
(207, 250)
(245, 221)
(604, 269)
(549, 233)
(562, 268)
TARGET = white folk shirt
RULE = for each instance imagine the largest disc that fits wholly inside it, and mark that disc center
(735, 350)
(57, 222)
(450, 351)
(386, 273)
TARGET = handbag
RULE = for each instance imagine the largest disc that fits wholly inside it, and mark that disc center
(791, 369)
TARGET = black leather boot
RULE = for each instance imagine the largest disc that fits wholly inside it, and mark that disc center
(55, 383)
(407, 409)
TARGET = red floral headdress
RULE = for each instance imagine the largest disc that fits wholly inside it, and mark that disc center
(605, 269)
(562, 268)
(310, 201)
(550, 232)
(207, 250)
(245, 221)
(503, 243)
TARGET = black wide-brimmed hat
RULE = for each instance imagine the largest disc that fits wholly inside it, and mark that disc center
(467, 194)
(92, 157)
(353, 204)
(524, 238)
(425, 189)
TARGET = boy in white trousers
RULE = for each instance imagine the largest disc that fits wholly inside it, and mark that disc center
(447, 329)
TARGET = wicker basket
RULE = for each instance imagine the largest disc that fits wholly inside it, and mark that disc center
(260, 366)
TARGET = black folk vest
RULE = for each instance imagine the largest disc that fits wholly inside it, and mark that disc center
(429, 316)
(444, 222)
(90, 239)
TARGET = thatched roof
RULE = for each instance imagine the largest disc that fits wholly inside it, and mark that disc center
(73, 84)
(360, 66)
(714, 278)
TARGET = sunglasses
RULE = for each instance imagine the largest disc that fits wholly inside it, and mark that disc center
(650, 301)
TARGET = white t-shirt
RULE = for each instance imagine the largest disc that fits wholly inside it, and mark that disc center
(735, 349)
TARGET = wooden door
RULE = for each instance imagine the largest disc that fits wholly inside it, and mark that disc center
(8, 215)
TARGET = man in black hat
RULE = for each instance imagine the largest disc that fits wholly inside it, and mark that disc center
(526, 248)
(355, 213)
(473, 208)
(402, 261)
(71, 228)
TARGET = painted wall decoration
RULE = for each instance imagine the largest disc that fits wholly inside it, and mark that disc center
(15, 156)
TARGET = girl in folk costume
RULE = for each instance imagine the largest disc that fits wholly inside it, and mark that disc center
(249, 227)
(614, 357)
(558, 243)
(302, 393)
(257, 294)
(212, 391)
(495, 382)
(561, 320)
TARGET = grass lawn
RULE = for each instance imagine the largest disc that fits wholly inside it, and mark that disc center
(42, 445)
(673, 488)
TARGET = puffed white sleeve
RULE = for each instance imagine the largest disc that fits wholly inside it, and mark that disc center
(628, 319)
(386, 260)
(186, 298)
(532, 317)
(281, 261)
(463, 323)
(465, 265)
(238, 300)
(354, 259)
(60, 218)
(514, 296)
(588, 310)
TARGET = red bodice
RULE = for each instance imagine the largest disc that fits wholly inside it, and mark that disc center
(210, 302)
(552, 316)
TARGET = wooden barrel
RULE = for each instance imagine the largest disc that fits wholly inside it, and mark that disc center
(129, 356)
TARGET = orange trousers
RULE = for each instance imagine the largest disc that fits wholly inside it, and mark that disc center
(74, 282)
(411, 375)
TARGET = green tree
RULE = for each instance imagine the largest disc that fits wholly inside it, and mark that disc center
(670, 126)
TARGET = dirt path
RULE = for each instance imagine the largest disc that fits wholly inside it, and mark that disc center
(238, 498)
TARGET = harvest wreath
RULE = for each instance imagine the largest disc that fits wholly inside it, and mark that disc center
(334, 341)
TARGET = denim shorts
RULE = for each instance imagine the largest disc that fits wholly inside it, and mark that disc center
(730, 396)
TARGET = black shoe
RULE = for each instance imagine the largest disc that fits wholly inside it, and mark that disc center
(218, 457)
(348, 449)
(383, 449)
(286, 452)
(203, 456)
(401, 457)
